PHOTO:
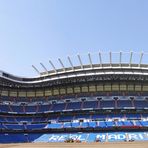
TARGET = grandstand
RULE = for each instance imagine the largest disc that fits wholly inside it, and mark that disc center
(102, 99)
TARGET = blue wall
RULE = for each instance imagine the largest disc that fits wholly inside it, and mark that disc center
(91, 137)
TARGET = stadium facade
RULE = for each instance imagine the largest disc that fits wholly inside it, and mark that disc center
(101, 100)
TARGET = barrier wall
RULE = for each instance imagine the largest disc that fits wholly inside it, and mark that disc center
(84, 137)
(91, 137)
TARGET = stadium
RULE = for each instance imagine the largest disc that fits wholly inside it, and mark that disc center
(103, 98)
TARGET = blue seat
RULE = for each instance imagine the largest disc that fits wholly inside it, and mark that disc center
(75, 124)
(110, 123)
(84, 124)
(120, 123)
(92, 124)
(54, 125)
(101, 124)
(144, 123)
(67, 125)
(127, 123)
(138, 123)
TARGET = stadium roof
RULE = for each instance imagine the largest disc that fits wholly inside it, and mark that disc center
(104, 65)
(96, 60)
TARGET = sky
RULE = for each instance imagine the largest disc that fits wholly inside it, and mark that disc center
(34, 31)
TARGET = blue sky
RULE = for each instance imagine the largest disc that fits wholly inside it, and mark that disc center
(34, 31)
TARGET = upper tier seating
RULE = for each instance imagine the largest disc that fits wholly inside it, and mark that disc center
(119, 103)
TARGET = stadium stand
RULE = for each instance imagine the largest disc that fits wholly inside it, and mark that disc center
(85, 102)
